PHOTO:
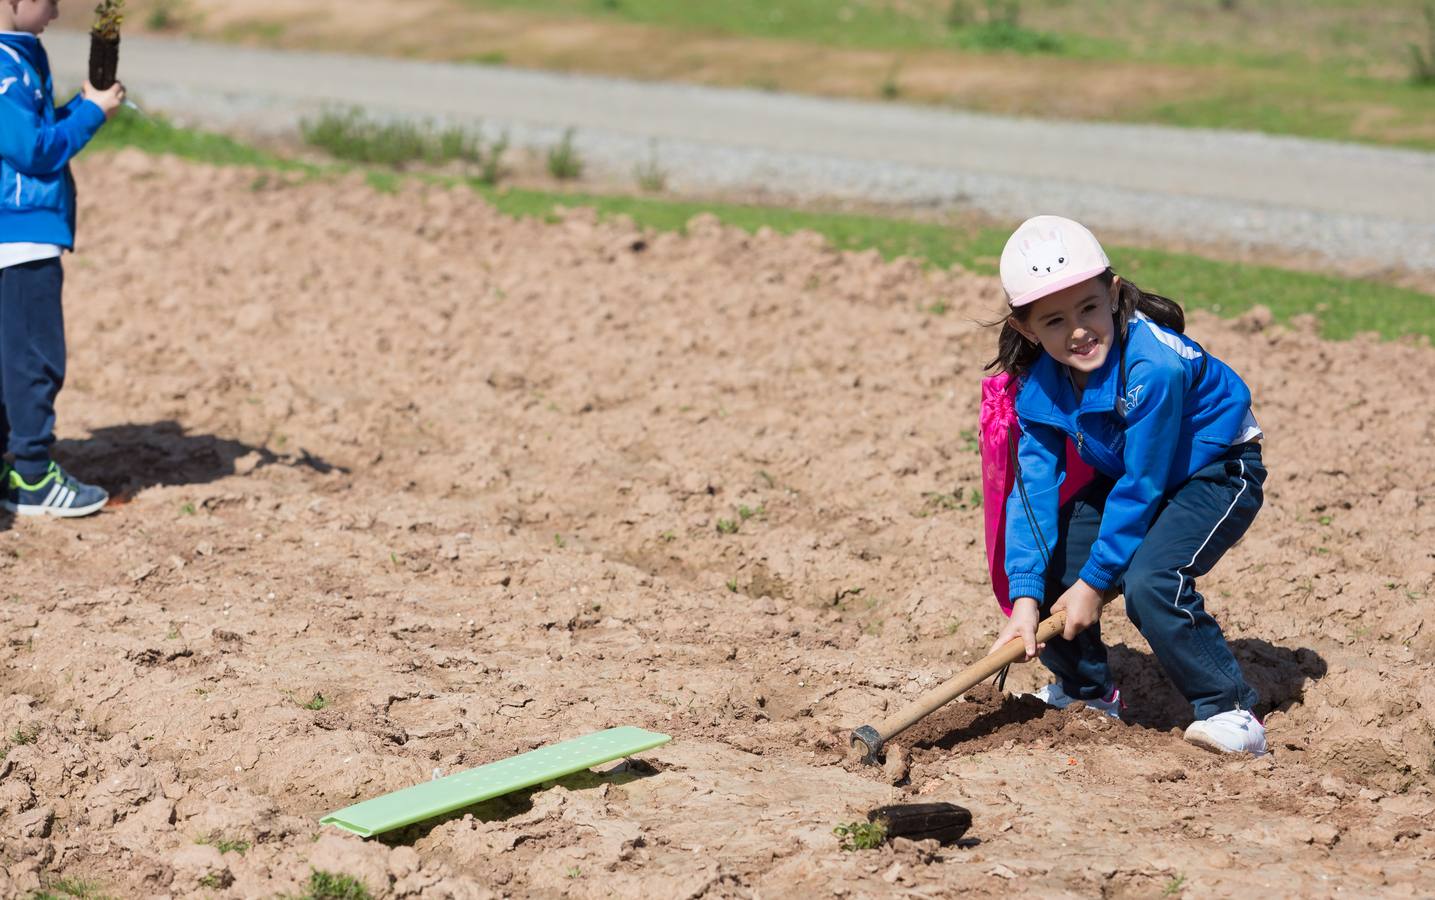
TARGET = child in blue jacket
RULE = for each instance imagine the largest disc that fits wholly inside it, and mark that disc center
(1177, 452)
(37, 223)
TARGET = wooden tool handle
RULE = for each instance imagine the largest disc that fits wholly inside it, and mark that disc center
(873, 737)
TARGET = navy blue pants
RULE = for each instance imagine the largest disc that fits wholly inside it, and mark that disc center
(1197, 523)
(32, 361)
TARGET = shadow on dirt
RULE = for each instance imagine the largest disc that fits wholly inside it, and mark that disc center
(1280, 675)
(126, 459)
(519, 803)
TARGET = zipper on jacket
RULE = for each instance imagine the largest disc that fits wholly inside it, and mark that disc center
(17, 188)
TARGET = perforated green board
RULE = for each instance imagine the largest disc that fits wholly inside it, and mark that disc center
(434, 798)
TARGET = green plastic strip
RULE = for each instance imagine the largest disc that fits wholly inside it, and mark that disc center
(434, 798)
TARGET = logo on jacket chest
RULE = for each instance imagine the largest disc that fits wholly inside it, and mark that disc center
(5, 84)
(1126, 404)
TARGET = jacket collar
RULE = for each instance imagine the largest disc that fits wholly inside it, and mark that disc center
(24, 44)
(1048, 388)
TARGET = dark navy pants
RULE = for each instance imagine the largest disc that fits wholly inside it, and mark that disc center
(32, 361)
(1197, 523)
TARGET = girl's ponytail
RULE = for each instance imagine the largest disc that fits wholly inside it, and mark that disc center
(1131, 299)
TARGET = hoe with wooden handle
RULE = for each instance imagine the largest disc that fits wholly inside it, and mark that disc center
(869, 739)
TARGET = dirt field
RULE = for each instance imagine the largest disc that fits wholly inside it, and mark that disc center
(462, 476)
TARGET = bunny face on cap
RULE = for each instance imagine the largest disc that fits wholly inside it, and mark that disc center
(1047, 254)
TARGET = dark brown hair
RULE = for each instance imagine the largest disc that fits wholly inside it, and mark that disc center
(1016, 355)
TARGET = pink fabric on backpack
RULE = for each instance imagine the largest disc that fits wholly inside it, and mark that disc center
(999, 426)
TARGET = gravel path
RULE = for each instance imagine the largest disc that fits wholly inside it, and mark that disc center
(1349, 204)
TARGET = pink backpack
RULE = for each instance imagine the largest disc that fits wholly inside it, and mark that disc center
(1000, 431)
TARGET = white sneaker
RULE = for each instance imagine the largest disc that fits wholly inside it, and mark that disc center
(1236, 731)
(1052, 695)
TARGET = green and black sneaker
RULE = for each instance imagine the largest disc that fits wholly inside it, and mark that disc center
(56, 494)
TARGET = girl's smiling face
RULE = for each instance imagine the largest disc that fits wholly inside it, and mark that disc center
(1075, 326)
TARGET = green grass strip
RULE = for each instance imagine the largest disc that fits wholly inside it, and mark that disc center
(1344, 307)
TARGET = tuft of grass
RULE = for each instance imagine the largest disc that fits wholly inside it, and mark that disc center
(861, 835)
(25, 734)
(1422, 59)
(727, 526)
(316, 702)
(891, 86)
(225, 845)
(997, 28)
(747, 512)
(354, 136)
(650, 174)
(78, 888)
(564, 162)
(559, 542)
(731, 585)
(1174, 886)
(333, 886)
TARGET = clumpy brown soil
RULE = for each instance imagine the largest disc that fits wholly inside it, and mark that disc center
(461, 477)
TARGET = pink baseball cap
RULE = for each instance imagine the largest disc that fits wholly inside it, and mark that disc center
(1047, 254)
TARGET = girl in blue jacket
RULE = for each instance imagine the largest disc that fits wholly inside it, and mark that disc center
(37, 223)
(1170, 432)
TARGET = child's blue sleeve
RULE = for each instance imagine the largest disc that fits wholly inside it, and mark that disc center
(63, 112)
(32, 147)
(1153, 428)
(1031, 517)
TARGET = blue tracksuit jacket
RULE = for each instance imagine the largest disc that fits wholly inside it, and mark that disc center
(1173, 410)
(37, 142)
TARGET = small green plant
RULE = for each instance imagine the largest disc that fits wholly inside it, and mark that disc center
(953, 626)
(559, 542)
(937, 501)
(861, 835)
(316, 702)
(731, 585)
(215, 881)
(939, 308)
(1174, 886)
(1325, 520)
(564, 163)
(187, 509)
(650, 174)
(1422, 59)
(726, 526)
(225, 845)
(172, 634)
(334, 886)
(109, 16)
(25, 734)
(747, 512)
(574, 872)
(667, 537)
